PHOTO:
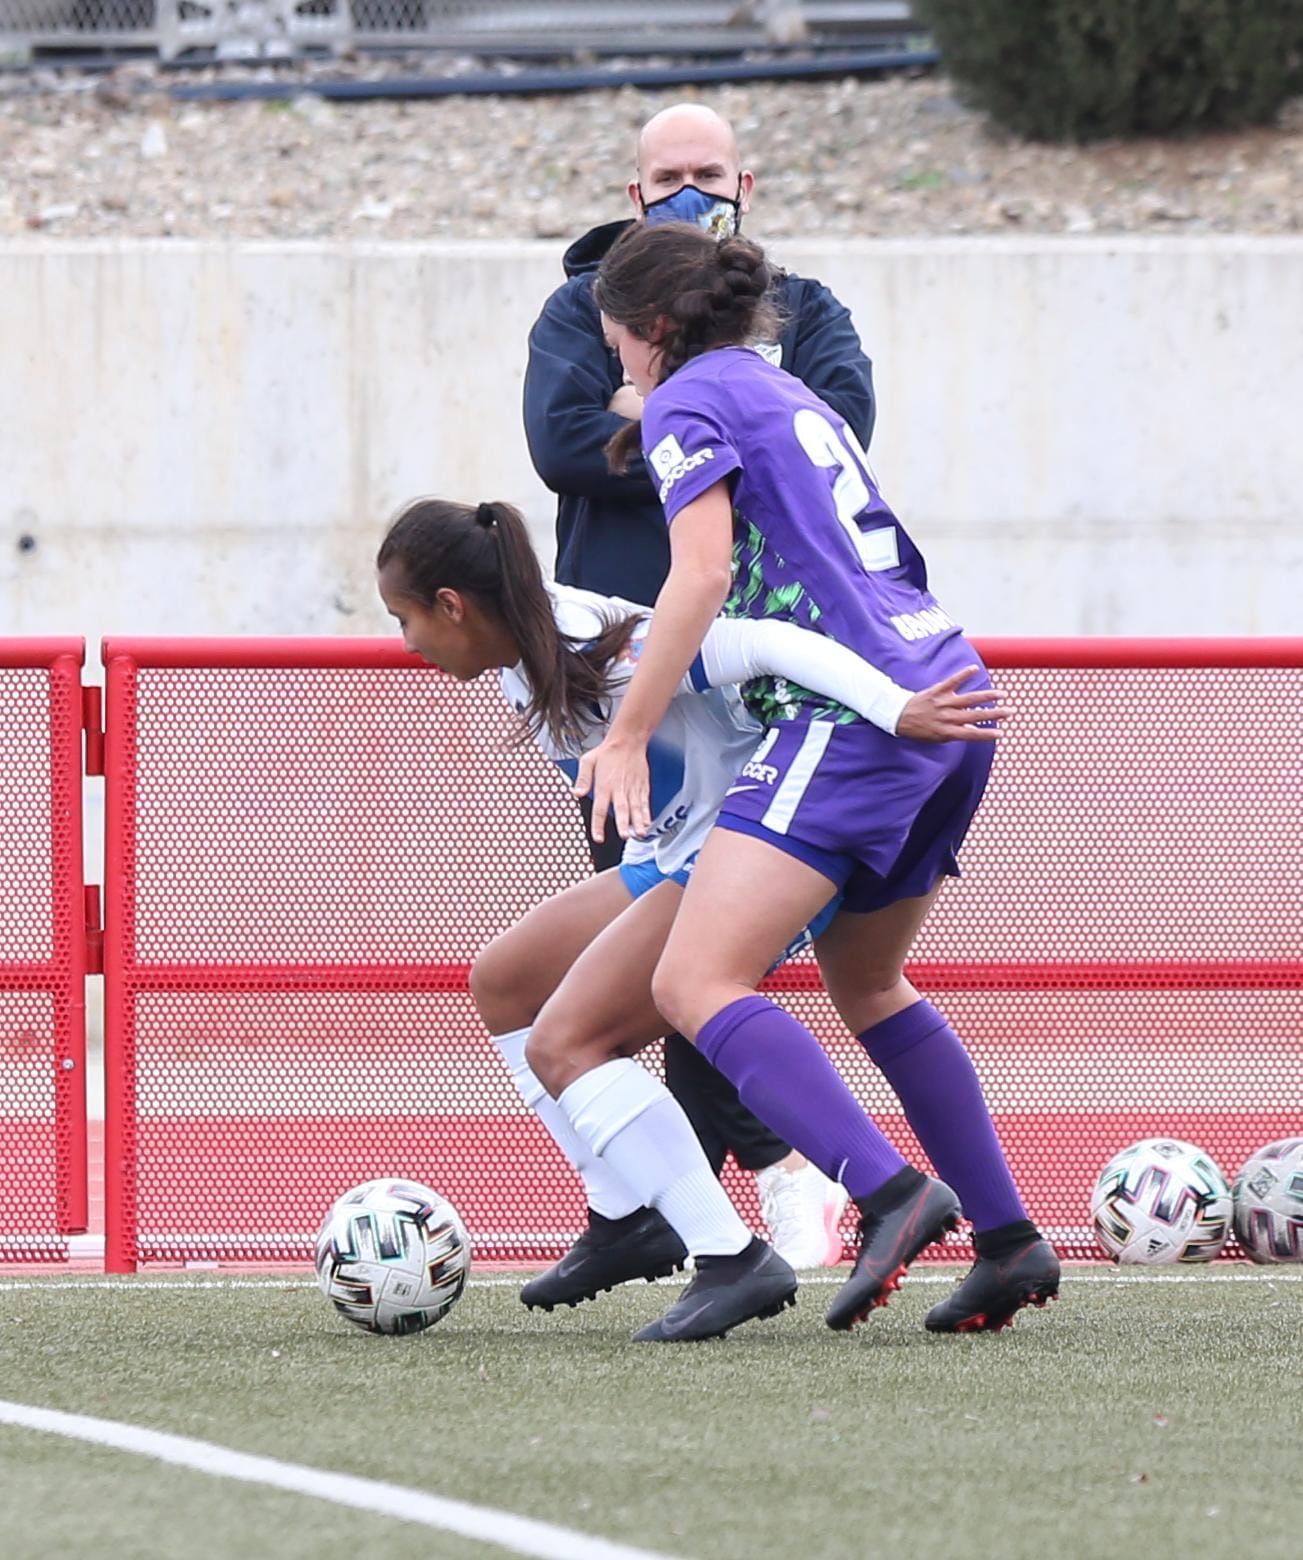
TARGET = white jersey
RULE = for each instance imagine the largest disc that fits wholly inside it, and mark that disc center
(694, 756)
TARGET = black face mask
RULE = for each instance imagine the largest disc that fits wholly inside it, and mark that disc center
(717, 214)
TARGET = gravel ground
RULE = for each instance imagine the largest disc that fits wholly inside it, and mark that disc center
(115, 156)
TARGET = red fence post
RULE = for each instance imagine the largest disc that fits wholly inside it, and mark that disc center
(68, 871)
(120, 1253)
(43, 1189)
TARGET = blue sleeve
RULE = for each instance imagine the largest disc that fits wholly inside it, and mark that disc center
(570, 378)
(826, 355)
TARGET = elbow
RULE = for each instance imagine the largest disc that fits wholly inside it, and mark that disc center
(870, 419)
(700, 577)
(860, 411)
(715, 580)
(543, 454)
(554, 470)
(552, 475)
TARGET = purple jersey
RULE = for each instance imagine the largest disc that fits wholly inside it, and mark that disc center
(813, 540)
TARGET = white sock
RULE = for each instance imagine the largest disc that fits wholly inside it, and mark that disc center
(606, 1192)
(637, 1127)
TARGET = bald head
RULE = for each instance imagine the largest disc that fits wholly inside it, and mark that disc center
(688, 143)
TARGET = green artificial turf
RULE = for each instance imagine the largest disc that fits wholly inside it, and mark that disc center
(1147, 1420)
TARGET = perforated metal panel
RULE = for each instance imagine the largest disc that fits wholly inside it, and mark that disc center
(42, 951)
(308, 849)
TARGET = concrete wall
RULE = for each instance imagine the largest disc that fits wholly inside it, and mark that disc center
(1084, 435)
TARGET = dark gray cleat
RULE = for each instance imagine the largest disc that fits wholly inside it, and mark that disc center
(609, 1252)
(724, 1293)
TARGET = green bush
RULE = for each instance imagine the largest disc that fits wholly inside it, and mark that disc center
(1076, 70)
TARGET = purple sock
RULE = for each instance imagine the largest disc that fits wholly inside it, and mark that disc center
(783, 1075)
(924, 1061)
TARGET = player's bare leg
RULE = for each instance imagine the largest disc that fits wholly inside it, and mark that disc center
(601, 1008)
(511, 982)
(602, 1005)
(582, 1045)
(520, 969)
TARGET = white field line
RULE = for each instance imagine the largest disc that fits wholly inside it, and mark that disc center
(520, 1535)
(1266, 1274)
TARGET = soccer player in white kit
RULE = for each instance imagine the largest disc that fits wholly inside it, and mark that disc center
(466, 587)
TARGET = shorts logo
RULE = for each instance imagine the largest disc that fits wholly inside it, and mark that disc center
(670, 463)
(756, 768)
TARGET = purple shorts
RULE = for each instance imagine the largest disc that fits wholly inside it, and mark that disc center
(881, 818)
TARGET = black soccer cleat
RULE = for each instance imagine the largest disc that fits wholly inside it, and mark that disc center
(609, 1252)
(889, 1242)
(996, 1287)
(725, 1292)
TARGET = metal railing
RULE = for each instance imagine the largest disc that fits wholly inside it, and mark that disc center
(308, 841)
(241, 29)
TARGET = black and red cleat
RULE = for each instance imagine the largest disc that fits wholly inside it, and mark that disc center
(890, 1239)
(997, 1287)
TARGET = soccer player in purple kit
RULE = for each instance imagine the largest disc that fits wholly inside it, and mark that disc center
(774, 513)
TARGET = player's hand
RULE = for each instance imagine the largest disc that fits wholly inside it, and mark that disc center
(942, 714)
(626, 402)
(615, 772)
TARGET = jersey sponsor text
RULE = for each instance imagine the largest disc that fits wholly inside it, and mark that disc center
(686, 464)
(922, 625)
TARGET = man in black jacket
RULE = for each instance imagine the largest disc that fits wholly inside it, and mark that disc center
(611, 530)
(612, 537)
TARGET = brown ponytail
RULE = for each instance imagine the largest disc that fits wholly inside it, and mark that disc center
(484, 551)
(697, 291)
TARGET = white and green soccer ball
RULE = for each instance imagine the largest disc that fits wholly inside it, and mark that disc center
(1161, 1200)
(392, 1256)
(1268, 1194)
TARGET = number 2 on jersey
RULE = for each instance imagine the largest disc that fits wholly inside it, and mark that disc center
(876, 549)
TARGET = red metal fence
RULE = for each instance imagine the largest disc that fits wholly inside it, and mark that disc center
(43, 950)
(308, 841)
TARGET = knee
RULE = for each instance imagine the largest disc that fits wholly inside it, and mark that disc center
(877, 996)
(671, 995)
(552, 1052)
(502, 998)
(880, 986)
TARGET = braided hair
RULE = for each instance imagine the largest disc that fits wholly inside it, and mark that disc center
(694, 291)
(484, 551)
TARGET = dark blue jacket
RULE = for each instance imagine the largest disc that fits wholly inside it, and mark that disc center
(611, 530)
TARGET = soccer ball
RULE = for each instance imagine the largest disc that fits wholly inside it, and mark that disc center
(1268, 1195)
(1161, 1200)
(392, 1256)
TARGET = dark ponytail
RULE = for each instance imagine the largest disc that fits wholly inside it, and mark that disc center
(703, 292)
(484, 551)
